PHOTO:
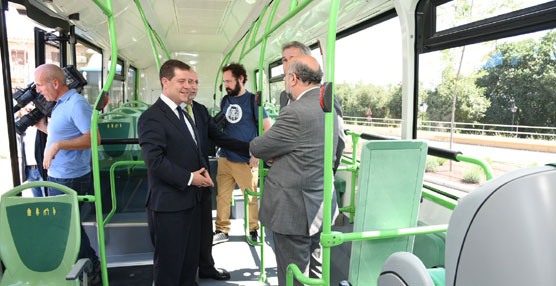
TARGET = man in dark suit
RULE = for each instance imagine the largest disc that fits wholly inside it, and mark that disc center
(208, 130)
(177, 173)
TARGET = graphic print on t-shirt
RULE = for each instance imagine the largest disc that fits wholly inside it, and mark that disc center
(234, 113)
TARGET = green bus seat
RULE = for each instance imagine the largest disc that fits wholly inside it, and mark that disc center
(115, 129)
(39, 237)
(430, 248)
(389, 192)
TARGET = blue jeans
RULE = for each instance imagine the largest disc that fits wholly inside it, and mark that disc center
(34, 175)
(83, 186)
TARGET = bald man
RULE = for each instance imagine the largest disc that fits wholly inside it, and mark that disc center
(293, 198)
(68, 147)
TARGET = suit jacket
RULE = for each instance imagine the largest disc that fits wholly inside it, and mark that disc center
(171, 156)
(292, 201)
(208, 130)
(284, 97)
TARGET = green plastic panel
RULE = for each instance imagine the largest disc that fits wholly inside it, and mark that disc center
(39, 239)
(390, 182)
(31, 221)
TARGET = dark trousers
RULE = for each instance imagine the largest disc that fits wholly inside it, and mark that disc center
(83, 186)
(206, 262)
(303, 251)
(176, 238)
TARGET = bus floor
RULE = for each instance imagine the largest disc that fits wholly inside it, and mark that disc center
(236, 256)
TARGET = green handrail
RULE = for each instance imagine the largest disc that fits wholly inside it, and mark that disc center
(113, 184)
(257, 25)
(481, 163)
(328, 151)
(245, 41)
(435, 197)
(160, 42)
(353, 167)
(246, 194)
(291, 14)
(107, 9)
(149, 33)
(293, 5)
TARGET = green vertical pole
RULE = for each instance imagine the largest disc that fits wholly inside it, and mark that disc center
(354, 172)
(149, 32)
(245, 41)
(160, 42)
(260, 88)
(257, 25)
(329, 138)
(107, 9)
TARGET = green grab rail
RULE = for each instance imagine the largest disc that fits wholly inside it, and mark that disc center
(113, 184)
(445, 202)
(257, 26)
(160, 42)
(336, 238)
(108, 11)
(245, 41)
(481, 163)
(149, 33)
(328, 152)
(291, 14)
(246, 194)
(293, 4)
(354, 164)
(136, 102)
(329, 136)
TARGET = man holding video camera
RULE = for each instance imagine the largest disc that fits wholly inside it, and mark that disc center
(68, 155)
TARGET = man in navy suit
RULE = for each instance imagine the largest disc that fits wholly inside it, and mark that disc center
(208, 130)
(177, 176)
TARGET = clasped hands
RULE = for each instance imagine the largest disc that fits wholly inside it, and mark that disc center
(201, 178)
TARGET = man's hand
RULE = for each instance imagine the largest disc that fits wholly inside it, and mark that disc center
(254, 162)
(49, 155)
(201, 178)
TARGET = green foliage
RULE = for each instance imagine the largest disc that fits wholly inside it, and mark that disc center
(432, 164)
(356, 98)
(473, 175)
(522, 73)
(441, 161)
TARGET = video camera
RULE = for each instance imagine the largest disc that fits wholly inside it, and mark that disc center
(74, 80)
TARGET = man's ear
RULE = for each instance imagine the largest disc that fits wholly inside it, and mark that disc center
(164, 82)
(241, 79)
(55, 84)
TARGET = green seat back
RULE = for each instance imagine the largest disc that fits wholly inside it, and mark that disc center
(39, 237)
(389, 191)
(115, 129)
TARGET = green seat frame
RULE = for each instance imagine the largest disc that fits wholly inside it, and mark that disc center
(39, 237)
(389, 192)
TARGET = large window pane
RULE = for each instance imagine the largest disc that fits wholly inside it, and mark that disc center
(504, 104)
(131, 82)
(89, 63)
(461, 12)
(368, 78)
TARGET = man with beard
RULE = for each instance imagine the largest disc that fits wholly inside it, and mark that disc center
(208, 130)
(241, 112)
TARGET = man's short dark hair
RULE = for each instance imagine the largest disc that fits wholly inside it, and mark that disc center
(168, 68)
(237, 71)
(306, 74)
(295, 44)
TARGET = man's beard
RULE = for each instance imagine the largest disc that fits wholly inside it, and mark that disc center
(234, 92)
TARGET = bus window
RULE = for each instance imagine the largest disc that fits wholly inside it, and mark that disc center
(451, 14)
(368, 78)
(89, 63)
(504, 107)
(131, 83)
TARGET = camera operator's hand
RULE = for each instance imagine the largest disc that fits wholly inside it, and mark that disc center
(49, 154)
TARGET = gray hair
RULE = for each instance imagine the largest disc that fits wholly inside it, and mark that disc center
(295, 44)
(306, 74)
